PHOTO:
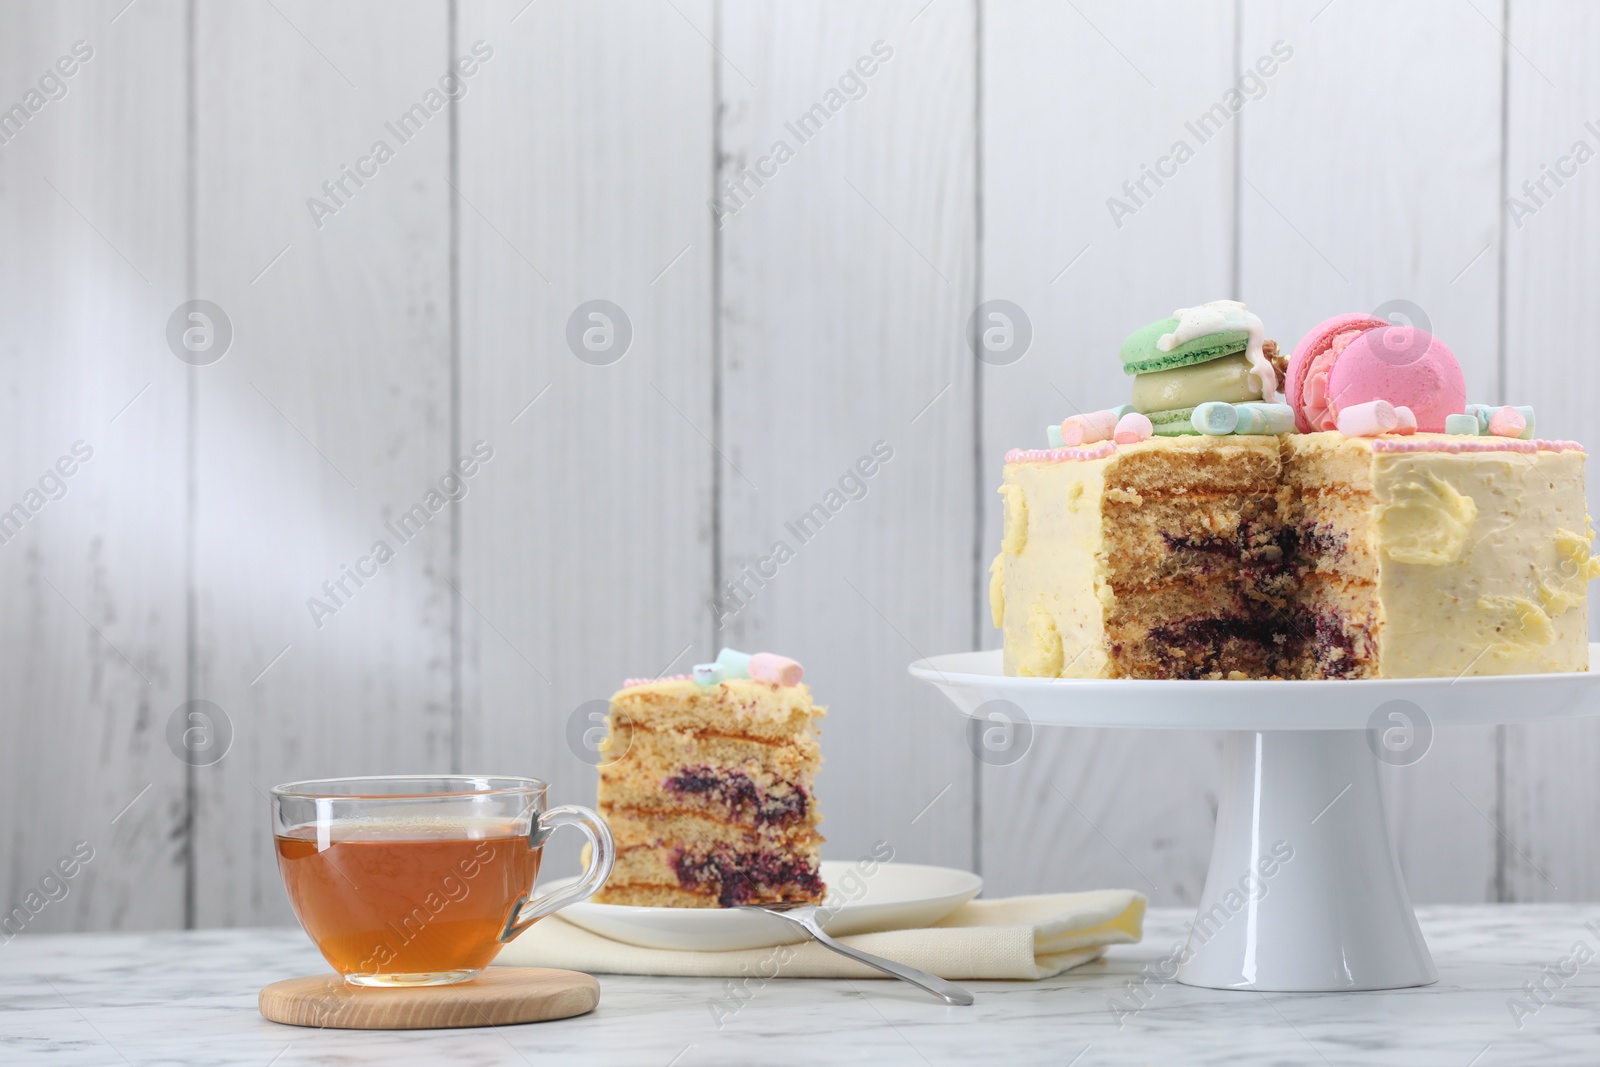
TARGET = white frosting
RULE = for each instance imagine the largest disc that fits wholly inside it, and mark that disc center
(1218, 316)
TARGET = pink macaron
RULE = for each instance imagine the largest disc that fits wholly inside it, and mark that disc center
(1405, 366)
(1313, 359)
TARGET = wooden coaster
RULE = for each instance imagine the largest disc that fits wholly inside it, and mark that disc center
(498, 997)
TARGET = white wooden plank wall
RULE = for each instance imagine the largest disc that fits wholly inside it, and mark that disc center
(846, 391)
(332, 414)
(1551, 793)
(587, 548)
(783, 322)
(92, 261)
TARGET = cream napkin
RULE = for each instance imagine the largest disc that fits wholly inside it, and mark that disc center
(1015, 938)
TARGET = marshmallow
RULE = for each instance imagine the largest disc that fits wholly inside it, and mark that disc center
(1484, 412)
(1368, 420)
(1462, 425)
(779, 670)
(763, 667)
(1088, 429)
(1481, 412)
(1270, 419)
(1214, 417)
(1053, 435)
(1408, 420)
(1133, 428)
(1507, 422)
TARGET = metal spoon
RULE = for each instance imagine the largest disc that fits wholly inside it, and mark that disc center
(805, 917)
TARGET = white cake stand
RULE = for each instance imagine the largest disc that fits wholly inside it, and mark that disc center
(1304, 891)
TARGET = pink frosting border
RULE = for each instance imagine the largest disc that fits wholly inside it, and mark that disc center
(1472, 444)
(629, 683)
(1060, 455)
(1106, 448)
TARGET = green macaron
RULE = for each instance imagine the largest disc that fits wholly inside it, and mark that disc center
(1141, 356)
(1174, 423)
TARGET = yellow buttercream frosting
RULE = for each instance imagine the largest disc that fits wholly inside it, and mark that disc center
(1479, 571)
(1041, 658)
(997, 590)
(1048, 586)
(1015, 537)
(1515, 625)
(1425, 521)
(1565, 585)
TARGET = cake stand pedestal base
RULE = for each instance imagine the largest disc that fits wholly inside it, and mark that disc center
(1304, 891)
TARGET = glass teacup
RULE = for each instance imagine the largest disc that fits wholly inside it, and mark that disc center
(405, 881)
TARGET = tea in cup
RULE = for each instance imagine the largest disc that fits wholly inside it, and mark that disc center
(419, 881)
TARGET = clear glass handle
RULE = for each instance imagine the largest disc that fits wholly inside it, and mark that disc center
(602, 854)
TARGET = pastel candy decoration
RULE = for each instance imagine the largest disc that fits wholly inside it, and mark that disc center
(1215, 417)
(762, 667)
(1408, 421)
(733, 663)
(730, 663)
(1368, 420)
(1264, 418)
(1507, 422)
(1403, 366)
(1133, 428)
(1053, 435)
(779, 670)
(1088, 429)
(1484, 412)
(1466, 425)
(1481, 412)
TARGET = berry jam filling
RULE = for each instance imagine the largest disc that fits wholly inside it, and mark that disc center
(1308, 643)
(1266, 544)
(1257, 552)
(1275, 630)
(742, 796)
(1198, 648)
(741, 877)
(1336, 651)
(1312, 543)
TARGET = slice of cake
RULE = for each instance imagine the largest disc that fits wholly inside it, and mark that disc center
(1210, 531)
(708, 784)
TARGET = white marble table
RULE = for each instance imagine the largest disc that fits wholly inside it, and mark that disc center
(190, 999)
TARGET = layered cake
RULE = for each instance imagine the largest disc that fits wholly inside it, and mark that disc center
(1326, 536)
(708, 785)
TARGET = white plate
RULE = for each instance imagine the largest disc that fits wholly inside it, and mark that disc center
(893, 896)
(972, 679)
